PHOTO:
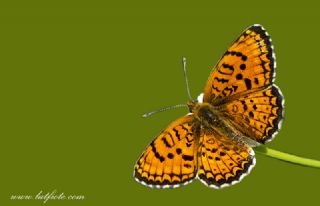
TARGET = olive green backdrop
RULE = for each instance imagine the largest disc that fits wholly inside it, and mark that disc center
(76, 77)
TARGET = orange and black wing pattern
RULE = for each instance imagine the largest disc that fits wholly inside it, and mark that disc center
(223, 161)
(241, 92)
(257, 115)
(241, 86)
(248, 65)
(170, 159)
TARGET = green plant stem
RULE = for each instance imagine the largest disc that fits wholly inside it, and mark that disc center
(287, 157)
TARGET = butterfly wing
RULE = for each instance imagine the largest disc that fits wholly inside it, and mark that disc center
(241, 86)
(257, 115)
(169, 161)
(223, 161)
(248, 65)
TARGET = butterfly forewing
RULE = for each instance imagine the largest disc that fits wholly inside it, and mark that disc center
(248, 65)
(169, 161)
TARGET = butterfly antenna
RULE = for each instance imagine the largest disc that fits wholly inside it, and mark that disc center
(184, 62)
(164, 109)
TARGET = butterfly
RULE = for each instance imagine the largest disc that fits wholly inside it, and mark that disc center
(240, 108)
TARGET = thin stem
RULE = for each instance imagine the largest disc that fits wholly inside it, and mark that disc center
(287, 157)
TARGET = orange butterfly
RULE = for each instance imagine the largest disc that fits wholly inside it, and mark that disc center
(241, 108)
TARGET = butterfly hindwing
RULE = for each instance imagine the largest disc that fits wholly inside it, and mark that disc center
(169, 161)
(222, 161)
(249, 64)
(257, 115)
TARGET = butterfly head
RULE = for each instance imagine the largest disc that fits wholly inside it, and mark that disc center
(191, 105)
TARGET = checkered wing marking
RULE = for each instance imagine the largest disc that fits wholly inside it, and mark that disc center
(222, 161)
(248, 65)
(169, 161)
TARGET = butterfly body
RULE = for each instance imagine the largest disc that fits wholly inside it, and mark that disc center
(209, 118)
(241, 107)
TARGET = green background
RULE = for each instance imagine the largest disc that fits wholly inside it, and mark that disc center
(76, 77)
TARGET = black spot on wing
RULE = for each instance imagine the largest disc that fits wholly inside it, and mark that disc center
(170, 155)
(239, 76)
(177, 133)
(165, 142)
(227, 66)
(187, 157)
(248, 83)
(238, 54)
(156, 153)
(222, 80)
(242, 66)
